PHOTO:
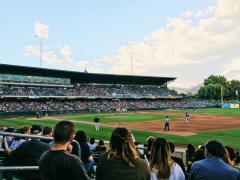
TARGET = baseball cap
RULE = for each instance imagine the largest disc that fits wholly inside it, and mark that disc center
(36, 129)
(10, 129)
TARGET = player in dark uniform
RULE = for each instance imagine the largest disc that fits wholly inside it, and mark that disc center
(96, 120)
(166, 123)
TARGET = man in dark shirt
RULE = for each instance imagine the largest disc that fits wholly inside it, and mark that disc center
(96, 120)
(57, 164)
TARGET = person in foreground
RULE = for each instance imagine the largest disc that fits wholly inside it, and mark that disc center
(161, 164)
(122, 162)
(57, 164)
(213, 167)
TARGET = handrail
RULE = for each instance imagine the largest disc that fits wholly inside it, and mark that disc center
(38, 137)
(18, 168)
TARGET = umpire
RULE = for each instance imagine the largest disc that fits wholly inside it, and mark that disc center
(166, 123)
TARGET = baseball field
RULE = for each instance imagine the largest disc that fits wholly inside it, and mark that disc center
(207, 124)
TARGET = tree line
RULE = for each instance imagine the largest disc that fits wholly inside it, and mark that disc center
(218, 88)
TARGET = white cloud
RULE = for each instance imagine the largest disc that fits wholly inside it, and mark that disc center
(190, 52)
(183, 50)
(186, 14)
(198, 14)
(209, 10)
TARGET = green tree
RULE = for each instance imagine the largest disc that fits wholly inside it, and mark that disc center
(216, 80)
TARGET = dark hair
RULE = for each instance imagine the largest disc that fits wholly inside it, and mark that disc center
(63, 131)
(199, 155)
(231, 151)
(166, 116)
(150, 140)
(92, 140)
(160, 158)
(215, 148)
(47, 130)
(80, 137)
(172, 147)
(101, 143)
(122, 146)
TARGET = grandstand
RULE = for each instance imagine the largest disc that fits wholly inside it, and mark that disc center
(26, 90)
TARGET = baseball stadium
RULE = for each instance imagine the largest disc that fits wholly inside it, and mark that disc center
(30, 95)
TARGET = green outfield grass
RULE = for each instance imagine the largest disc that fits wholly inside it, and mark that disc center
(227, 137)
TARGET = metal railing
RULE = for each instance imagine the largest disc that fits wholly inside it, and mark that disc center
(21, 168)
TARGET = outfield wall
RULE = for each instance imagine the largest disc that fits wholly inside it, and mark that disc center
(229, 106)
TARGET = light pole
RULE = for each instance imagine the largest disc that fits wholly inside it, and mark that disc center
(131, 44)
(42, 33)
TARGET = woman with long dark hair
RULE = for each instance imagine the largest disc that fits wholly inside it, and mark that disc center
(161, 164)
(122, 162)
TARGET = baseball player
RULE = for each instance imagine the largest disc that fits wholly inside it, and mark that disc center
(166, 123)
(96, 121)
(187, 118)
(194, 108)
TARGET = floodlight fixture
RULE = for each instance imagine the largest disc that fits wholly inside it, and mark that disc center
(42, 33)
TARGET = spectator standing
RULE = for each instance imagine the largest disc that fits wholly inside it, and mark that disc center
(96, 121)
(213, 167)
(122, 162)
(161, 164)
(167, 121)
(57, 163)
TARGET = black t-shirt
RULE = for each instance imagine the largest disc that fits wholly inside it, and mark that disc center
(58, 165)
(30, 149)
(96, 119)
(85, 152)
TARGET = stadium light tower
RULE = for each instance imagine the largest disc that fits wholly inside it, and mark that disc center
(42, 33)
(130, 45)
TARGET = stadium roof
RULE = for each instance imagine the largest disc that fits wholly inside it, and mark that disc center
(83, 77)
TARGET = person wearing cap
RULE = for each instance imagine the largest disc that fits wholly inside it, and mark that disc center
(213, 167)
(57, 164)
(33, 148)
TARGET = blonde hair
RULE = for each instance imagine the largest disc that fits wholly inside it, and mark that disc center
(160, 158)
(122, 146)
(226, 158)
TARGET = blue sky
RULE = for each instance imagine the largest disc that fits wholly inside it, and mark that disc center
(176, 38)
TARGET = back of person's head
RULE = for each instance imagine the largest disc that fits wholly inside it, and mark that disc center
(24, 130)
(47, 130)
(122, 146)
(232, 152)
(150, 140)
(36, 130)
(160, 158)
(92, 140)
(226, 158)
(190, 150)
(172, 147)
(80, 137)
(215, 148)
(101, 142)
(199, 155)
(63, 132)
